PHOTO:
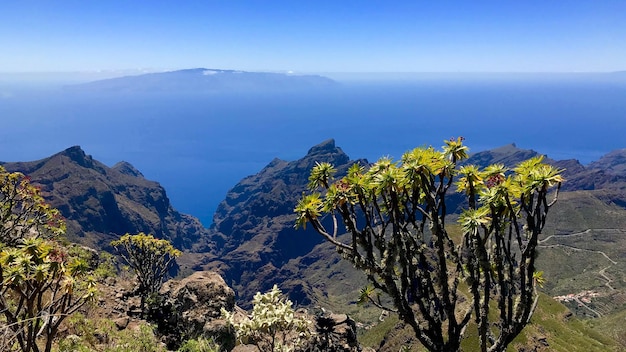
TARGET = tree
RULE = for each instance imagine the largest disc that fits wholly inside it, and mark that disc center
(395, 214)
(24, 212)
(41, 286)
(40, 283)
(272, 326)
(150, 259)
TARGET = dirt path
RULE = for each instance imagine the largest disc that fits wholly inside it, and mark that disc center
(601, 272)
(581, 303)
(608, 279)
(586, 232)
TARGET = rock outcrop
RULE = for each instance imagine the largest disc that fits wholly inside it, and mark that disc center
(192, 307)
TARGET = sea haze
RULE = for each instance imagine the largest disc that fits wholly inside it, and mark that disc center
(198, 145)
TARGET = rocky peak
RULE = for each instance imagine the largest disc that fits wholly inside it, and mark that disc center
(329, 152)
(327, 146)
(613, 162)
(127, 169)
(254, 225)
(509, 155)
(101, 203)
(77, 155)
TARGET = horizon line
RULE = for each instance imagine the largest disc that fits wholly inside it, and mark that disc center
(158, 70)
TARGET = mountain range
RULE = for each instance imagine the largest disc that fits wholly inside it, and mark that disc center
(205, 80)
(253, 244)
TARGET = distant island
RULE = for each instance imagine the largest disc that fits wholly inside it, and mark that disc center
(206, 80)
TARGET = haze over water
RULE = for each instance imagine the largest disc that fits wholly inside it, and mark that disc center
(198, 145)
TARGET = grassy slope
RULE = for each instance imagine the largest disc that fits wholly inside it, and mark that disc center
(588, 259)
(553, 328)
(612, 325)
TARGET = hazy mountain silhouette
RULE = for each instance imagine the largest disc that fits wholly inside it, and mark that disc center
(206, 80)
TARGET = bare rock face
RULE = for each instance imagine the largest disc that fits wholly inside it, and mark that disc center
(191, 307)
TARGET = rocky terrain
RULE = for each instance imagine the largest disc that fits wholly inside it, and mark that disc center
(253, 244)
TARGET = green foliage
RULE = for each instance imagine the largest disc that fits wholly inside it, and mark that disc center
(106, 266)
(150, 259)
(396, 214)
(321, 175)
(272, 326)
(40, 286)
(101, 335)
(23, 211)
(40, 282)
(199, 345)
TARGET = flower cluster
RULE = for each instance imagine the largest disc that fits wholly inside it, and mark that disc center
(273, 325)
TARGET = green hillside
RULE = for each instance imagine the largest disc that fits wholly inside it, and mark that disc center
(553, 328)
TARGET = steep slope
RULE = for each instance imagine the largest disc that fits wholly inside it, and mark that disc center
(254, 225)
(613, 162)
(101, 203)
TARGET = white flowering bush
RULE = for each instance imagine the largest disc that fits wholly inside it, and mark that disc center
(273, 325)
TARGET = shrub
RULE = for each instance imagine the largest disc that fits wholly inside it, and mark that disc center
(102, 335)
(273, 325)
(150, 259)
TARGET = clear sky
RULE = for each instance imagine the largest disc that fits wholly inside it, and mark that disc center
(314, 36)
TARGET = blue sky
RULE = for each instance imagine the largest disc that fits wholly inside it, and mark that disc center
(314, 36)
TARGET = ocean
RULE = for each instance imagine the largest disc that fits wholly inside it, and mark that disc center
(199, 145)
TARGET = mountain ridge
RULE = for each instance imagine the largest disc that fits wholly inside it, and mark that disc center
(102, 203)
(206, 80)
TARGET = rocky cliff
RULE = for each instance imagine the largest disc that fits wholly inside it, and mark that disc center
(254, 226)
(101, 203)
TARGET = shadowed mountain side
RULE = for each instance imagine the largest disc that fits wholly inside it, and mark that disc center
(254, 225)
(102, 203)
(613, 162)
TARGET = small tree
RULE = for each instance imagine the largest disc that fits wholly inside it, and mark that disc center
(150, 259)
(272, 326)
(24, 212)
(395, 214)
(40, 284)
(40, 287)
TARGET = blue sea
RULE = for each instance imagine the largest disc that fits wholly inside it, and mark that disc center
(199, 145)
